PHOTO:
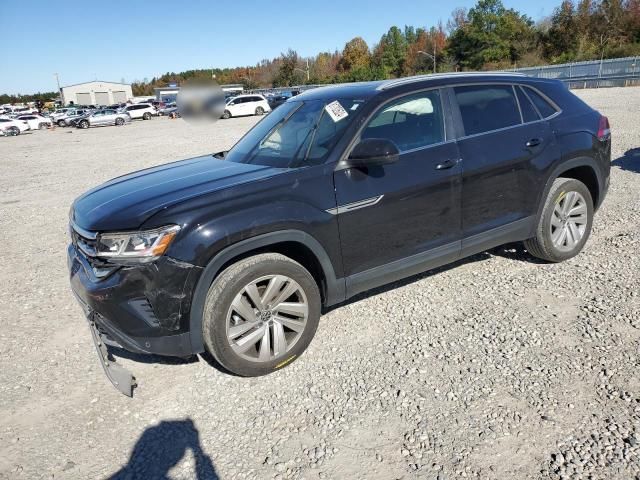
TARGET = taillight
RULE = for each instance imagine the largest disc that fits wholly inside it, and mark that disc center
(604, 131)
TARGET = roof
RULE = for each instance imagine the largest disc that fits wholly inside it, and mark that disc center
(443, 76)
(94, 81)
(368, 89)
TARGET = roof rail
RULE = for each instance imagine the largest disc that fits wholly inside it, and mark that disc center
(417, 78)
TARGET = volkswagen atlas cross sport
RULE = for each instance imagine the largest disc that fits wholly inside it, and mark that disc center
(341, 189)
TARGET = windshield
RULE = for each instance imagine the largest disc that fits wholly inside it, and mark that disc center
(296, 134)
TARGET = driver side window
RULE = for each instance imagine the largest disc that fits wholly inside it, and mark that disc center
(411, 122)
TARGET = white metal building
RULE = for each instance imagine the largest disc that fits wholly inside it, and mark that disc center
(96, 93)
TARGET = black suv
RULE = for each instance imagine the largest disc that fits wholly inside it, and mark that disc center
(339, 190)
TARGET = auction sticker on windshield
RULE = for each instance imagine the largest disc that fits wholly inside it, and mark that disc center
(336, 111)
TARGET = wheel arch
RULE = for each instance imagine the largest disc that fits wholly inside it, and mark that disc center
(295, 244)
(584, 169)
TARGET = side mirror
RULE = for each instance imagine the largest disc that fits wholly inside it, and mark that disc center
(373, 151)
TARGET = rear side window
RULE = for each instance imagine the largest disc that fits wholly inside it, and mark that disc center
(529, 113)
(487, 107)
(543, 106)
(411, 122)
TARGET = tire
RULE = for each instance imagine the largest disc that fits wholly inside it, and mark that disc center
(12, 132)
(263, 271)
(119, 121)
(259, 111)
(146, 116)
(226, 114)
(84, 124)
(42, 126)
(550, 243)
(60, 123)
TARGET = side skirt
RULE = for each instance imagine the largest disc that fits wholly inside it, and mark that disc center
(437, 257)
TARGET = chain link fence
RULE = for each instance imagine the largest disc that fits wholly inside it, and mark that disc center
(615, 72)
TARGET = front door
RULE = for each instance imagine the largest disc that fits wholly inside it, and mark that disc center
(393, 218)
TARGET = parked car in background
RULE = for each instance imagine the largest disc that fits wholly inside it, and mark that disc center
(36, 121)
(168, 109)
(11, 126)
(71, 119)
(103, 118)
(59, 113)
(246, 105)
(276, 100)
(140, 110)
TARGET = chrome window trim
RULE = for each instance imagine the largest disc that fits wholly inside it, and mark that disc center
(551, 102)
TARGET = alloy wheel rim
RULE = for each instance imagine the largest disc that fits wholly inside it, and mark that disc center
(569, 221)
(267, 318)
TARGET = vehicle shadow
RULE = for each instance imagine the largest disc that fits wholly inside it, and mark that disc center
(161, 447)
(511, 251)
(629, 161)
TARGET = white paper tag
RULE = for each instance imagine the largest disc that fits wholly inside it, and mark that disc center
(336, 111)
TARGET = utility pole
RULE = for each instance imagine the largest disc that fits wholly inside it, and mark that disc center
(433, 57)
(305, 70)
(59, 89)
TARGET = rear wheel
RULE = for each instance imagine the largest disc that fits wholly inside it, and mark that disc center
(261, 314)
(565, 223)
(146, 116)
(42, 126)
(12, 132)
(84, 124)
(119, 121)
(259, 111)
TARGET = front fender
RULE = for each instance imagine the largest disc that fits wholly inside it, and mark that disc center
(335, 287)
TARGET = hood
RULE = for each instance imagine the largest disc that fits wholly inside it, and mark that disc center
(126, 202)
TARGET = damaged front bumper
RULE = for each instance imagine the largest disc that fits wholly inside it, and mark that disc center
(143, 309)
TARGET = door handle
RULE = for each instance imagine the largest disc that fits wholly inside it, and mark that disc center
(534, 142)
(447, 164)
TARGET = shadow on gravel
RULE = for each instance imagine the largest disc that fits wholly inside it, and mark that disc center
(409, 280)
(511, 251)
(629, 161)
(160, 448)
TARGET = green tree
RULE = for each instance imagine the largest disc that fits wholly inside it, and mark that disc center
(491, 35)
(390, 52)
(355, 55)
(286, 76)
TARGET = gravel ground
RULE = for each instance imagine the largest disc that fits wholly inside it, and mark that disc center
(495, 367)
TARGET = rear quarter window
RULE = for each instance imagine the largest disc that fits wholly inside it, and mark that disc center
(543, 106)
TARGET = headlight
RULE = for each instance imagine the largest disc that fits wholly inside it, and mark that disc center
(144, 246)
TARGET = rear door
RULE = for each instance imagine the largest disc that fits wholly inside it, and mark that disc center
(501, 151)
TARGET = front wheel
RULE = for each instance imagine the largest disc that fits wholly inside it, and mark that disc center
(565, 223)
(261, 314)
(226, 114)
(146, 116)
(119, 121)
(61, 123)
(84, 124)
(42, 126)
(12, 132)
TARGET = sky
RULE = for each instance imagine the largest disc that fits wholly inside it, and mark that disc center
(132, 40)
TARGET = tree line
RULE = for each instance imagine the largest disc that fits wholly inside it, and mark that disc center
(488, 36)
